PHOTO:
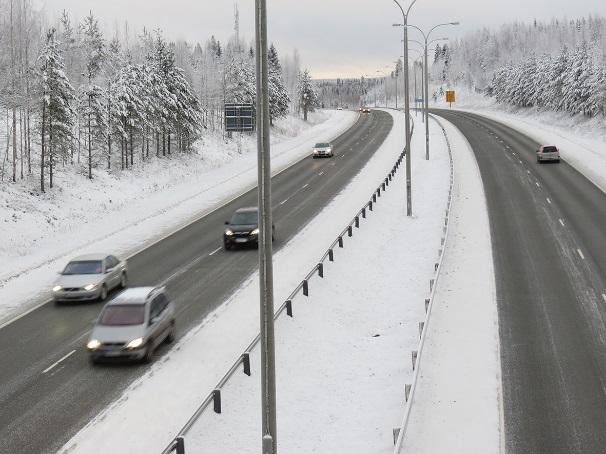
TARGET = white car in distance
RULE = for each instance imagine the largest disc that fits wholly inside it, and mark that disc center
(322, 150)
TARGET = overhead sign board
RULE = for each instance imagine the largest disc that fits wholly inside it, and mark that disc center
(239, 117)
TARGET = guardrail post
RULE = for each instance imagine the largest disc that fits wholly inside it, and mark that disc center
(396, 434)
(349, 230)
(370, 204)
(364, 212)
(246, 363)
(180, 445)
(321, 269)
(390, 174)
(217, 400)
(357, 222)
(431, 281)
(414, 359)
(435, 267)
(442, 241)
(379, 191)
(421, 325)
(374, 199)
(340, 241)
(331, 256)
(426, 304)
(305, 288)
(407, 388)
(289, 308)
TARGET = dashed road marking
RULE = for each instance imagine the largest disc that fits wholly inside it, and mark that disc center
(581, 254)
(321, 173)
(520, 161)
(528, 171)
(215, 251)
(561, 222)
(57, 362)
(305, 185)
(548, 200)
(537, 183)
(283, 201)
(604, 297)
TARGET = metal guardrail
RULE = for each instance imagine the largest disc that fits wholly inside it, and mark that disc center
(424, 325)
(177, 445)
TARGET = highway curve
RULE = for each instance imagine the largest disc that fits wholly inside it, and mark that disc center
(548, 232)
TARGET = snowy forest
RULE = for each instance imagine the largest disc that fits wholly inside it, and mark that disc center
(560, 65)
(78, 99)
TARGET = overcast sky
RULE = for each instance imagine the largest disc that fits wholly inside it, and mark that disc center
(335, 38)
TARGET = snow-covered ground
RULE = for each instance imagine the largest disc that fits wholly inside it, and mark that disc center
(344, 357)
(456, 407)
(124, 212)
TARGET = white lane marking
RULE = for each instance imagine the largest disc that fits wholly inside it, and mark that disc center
(537, 183)
(581, 254)
(321, 173)
(528, 171)
(561, 222)
(283, 201)
(57, 362)
(548, 200)
(342, 155)
(520, 161)
(215, 251)
(604, 297)
(305, 185)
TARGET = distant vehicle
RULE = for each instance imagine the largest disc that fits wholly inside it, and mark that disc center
(133, 325)
(243, 228)
(339, 108)
(90, 277)
(360, 109)
(322, 150)
(548, 153)
(366, 110)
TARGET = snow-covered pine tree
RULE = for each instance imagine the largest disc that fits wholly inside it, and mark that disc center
(279, 100)
(306, 94)
(90, 94)
(57, 96)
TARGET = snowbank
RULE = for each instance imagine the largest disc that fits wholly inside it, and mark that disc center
(456, 407)
(344, 357)
(122, 212)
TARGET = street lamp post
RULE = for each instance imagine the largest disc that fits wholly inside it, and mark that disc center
(406, 106)
(426, 96)
(268, 367)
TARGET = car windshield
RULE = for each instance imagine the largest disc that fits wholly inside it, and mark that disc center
(550, 149)
(83, 267)
(322, 145)
(245, 218)
(121, 315)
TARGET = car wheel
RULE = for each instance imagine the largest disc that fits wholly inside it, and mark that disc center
(149, 353)
(226, 246)
(93, 361)
(171, 335)
(103, 293)
(123, 281)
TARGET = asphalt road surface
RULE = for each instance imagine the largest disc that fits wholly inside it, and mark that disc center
(48, 389)
(548, 226)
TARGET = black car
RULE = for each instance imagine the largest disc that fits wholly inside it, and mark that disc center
(243, 228)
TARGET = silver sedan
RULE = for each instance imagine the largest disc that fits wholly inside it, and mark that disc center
(90, 277)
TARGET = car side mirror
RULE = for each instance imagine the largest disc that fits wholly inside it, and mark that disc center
(153, 321)
(109, 270)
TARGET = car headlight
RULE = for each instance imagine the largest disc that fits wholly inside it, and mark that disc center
(56, 288)
(229, 232)
(255, 232)
(93, 344)
(135, 343)
(90, 286)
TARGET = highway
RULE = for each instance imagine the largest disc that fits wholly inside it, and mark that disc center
(48, 389)
(548, 233)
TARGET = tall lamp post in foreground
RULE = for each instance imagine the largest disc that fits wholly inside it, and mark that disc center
(426, 95)
(268, 367)
(406, 106)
